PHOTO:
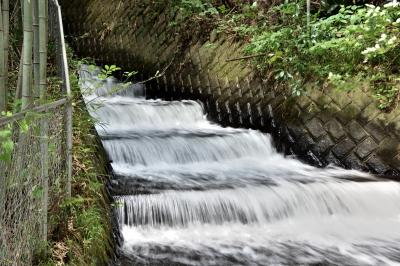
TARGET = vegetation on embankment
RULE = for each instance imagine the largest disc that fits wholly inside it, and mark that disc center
(342, 46)
(82, 230)
(79, 228)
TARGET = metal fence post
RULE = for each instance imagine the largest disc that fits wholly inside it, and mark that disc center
(44, 161)
(69, 147)
(67, 89)
(2, 208)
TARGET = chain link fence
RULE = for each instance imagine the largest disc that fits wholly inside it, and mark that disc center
(35, 164)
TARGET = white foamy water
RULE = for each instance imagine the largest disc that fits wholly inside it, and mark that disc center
(264, 204)
(189, 149)
(138, 113)
(190, 192)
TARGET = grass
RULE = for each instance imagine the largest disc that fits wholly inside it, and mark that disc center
(81, 225)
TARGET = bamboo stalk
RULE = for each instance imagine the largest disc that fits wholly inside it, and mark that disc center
(2, 74)
(44, 124)
(6, 27)
(36, 54)
(18, 93)
(27, 54)
(309, 17)
(43, 37)
(26, 97)
(3, 104)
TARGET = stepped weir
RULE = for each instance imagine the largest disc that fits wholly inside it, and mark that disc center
(190, 192)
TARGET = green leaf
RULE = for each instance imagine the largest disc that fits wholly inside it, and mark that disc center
(6, 150)
(37, 192)
(5, 134)
(24, 126)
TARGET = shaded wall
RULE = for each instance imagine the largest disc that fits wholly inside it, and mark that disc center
(325, 126)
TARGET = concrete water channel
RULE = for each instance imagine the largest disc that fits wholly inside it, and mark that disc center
(191, 192)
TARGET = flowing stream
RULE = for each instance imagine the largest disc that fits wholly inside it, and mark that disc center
(190, 192)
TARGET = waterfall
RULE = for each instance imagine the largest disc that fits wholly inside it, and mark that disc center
(261, 204)
(190, 192)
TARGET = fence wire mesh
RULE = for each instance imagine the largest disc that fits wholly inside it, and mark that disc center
(35, 164)
(24, 187)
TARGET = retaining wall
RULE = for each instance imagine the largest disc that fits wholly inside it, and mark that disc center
(324, 126)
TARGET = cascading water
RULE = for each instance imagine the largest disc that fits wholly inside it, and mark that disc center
(190, 192)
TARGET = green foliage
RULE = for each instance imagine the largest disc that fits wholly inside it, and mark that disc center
(43, 254)
(73, 204)
(345, 46)
(80, 225)
(108, 71)
(90, 223)
(356, 43)
(129, 74)
(6, 144)
(196, 7)
(84, 217)
(37, 192)
(387, 89)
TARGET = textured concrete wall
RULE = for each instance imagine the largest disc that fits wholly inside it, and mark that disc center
(325, 126)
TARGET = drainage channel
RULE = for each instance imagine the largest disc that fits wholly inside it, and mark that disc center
(190, 192)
